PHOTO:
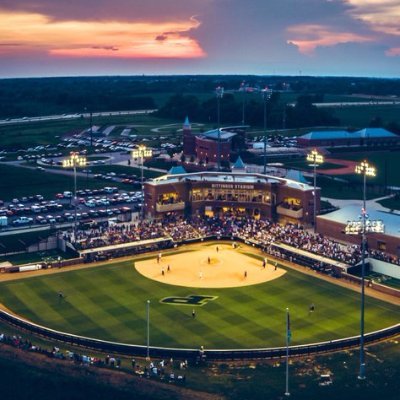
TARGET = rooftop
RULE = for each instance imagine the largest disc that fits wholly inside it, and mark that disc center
(363, 133)
(214, 134)
(228, 177)
(352, 213)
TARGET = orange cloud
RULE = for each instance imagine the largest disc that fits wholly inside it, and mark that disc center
(36, 32)
(381, 15)
(307, 37)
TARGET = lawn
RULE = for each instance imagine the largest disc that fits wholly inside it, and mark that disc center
(361, 116)
(109, 302)
(385, 162)
(19, 181)
(28, 134)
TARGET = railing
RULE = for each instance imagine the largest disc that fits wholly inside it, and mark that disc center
(170, 207)
(290, 212)
(217, 354)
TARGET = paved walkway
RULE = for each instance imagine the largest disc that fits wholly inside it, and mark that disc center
(348, 167)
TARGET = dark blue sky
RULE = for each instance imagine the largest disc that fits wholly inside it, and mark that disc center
(97, 37)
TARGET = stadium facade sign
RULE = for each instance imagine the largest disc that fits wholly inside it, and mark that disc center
(221, 193)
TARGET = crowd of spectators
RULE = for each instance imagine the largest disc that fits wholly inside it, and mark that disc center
(259, 231)
(101, 236)
(167, 370)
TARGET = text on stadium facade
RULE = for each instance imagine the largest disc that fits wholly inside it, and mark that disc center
(231, 186)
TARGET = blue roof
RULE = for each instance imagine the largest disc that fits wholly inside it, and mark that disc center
(177, 170)
(295, 175)
(374, 133)
(186, 123)
(324, 135)
(361, 134)
(223, 135)
(239, 164)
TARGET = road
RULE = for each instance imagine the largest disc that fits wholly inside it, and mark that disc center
(9, 121)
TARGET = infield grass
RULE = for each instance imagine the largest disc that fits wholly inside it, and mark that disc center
(109, 302)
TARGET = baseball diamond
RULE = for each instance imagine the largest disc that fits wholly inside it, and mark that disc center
(108, 301)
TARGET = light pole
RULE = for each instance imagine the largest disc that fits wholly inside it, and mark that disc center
(142, 152)
(243, 90)
(148, 330)
(219, 92)
(75, 160)
(90, 127)
(362, 227)
(266, 95)
(315, 158)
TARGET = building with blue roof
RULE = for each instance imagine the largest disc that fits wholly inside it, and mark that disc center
(375, 137)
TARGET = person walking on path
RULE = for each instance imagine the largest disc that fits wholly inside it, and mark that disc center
(193, 314)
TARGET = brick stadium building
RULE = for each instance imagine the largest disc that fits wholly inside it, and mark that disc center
(214, 193)
(334, 224)
(204, 146)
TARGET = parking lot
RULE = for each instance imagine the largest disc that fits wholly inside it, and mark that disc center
(90, 204)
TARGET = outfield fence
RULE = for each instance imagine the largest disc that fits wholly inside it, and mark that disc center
(212, 354)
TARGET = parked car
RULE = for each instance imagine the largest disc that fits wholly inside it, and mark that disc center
(22, 221)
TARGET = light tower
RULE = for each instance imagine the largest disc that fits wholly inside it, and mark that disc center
(75, 160)
(219, 92)
(141, 153)
(363, 226)
(266, 96)
(315, 159)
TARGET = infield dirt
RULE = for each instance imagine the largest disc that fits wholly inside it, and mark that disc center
(209, 268)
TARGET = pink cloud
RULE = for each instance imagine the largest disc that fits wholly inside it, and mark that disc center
(307, 37)
(393, 52)
(113, 39)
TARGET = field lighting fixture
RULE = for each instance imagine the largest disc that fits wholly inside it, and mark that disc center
(315, 159)
(219, 92)
(141, 153)
(362, 226)
(74, 161)
(266, 94)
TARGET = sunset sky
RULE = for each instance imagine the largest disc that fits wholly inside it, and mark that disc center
(130, 37)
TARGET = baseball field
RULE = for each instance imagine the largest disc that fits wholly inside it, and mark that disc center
(200, 295)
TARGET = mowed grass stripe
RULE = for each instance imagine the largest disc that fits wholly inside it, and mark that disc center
(109, 302)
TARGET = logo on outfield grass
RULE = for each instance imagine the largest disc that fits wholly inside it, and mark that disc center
(192, 300)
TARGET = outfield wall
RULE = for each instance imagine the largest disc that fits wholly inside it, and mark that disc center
(213, 354)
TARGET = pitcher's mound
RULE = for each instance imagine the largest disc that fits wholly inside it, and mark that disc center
(208, 268)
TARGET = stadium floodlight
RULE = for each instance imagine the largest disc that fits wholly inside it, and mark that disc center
(141, 153)
(219, 92)
(266, 96)
(315, 159)
(75, 160)
(363, 226)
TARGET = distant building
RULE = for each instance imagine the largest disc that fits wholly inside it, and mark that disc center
(204, 146)
(377, 137)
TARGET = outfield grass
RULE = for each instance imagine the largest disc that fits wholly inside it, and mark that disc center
(361, 116)
(109, 302)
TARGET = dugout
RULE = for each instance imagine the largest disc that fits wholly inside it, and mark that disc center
(125, 249)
